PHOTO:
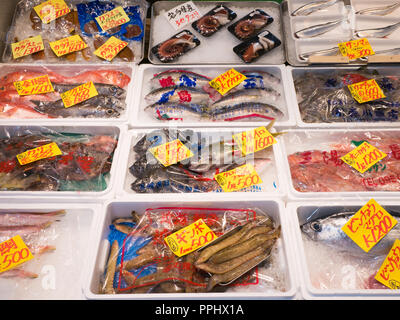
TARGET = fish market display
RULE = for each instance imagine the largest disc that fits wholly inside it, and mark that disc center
(324, 97)
(111, 85)
(33, 228)
(211, 154)
(337, 262)
(214, 20)
(80, 20)
(318, 167)
(140, 261)
(250, 24)
(184, 95)
(83, 165)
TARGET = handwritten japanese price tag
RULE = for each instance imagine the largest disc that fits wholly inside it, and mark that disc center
(356, 49)
(13, 252)
(36, 85)
(389, 272)
(226, 81)
(363, 157)
(67, 45)
(183, 14)
(42, 152)
(254, 140)
(110, 48)
(190, 238)
(112, 18)
(27, 46)
(366, 91)
(369, 225)
(238, 178)
(79, 94)
(51, 10)
(171, 152)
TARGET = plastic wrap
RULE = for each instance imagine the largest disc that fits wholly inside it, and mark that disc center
(83, 165)
(185, 95)
(110, 103)
(80, 21)
(323, 96)
(333, 260)
(141, 262)
(315, 165)
(212, 153)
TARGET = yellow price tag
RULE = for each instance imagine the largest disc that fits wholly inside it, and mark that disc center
(112, 19)
(36, 85)
(110, 48)
(366, 91)
(27, 46)
(79, 94)
(226, 81)
(254, 140)
(51, 10)
(190, 238)
(363, 157)
(369, 225)
(171, 152)
(13, 252)
(356, 49)
(42, 152)
(67, 45)
(239, 178)
(389, 272)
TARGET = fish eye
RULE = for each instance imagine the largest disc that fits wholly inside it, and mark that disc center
(110, 111)
(316, 227)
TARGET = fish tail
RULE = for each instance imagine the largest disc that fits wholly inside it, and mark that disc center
(212, 282)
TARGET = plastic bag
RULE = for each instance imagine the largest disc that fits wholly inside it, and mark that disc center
(80, 21)
(141, 262)
(83, 165)
(111, 85)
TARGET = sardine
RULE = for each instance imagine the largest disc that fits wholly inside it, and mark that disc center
(247, 112)
(177, 94)
(325, 52)
(102, 89)
(377, 32)
(312, 7)
(328, 231)
(379, 11)
(178, 111)
(178, 78)
(319, 29)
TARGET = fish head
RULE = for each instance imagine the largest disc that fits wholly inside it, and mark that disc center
(325, 229)
(110, 112)
(116, 91)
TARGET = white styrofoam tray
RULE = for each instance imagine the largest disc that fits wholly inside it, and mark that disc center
(141, 118)
(295, 105)
(123, 208)
(273, 181)
(60, 271)
(89, 196)
(298, 212)
(299, 140)
(67, 70)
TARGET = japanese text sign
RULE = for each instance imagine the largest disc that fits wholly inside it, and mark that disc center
(112, 19)
(171, 152)
(239, 178)
(51, 10)
(68, 45)
(39, 153)
(27, 46)
(109, 50)
(32, 86)
(183, 14)
(13, 252)
(79, 94)
(365, 91)
(356, 49)
(226, 81)
(389, 272)
(254, 140)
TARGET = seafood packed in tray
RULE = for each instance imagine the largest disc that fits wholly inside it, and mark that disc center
(186, 95)
(110, 102)
(212, 153)
(83, 162)
(334, 260)
(315, 163)
(82, 21)
(243, 251)
(323, 95)
(233, 32)
(316, 27)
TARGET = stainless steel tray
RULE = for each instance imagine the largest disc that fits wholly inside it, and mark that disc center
(216, 49)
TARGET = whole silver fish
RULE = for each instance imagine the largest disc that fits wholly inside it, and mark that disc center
(179, 78)
(260, 96)
(171, 110)
(317, 30)
(102, 89)
(325, 52)
(379, 11)
(177, 94)
(328, 231)
(377, 32)
(312, 7)
(247, 112)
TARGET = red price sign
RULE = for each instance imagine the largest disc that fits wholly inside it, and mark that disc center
(226, 81)
(110, 48)
(365, 91)
(79, 94)
(238, 178)
(363, 157)
(68, 45)
(112, 19)
(254, 140)
(171, 152)
(51, 10)
(27, 47)
(13, 252)
(42, 152)
(389, 272)
(37, 85)
(356, 49)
